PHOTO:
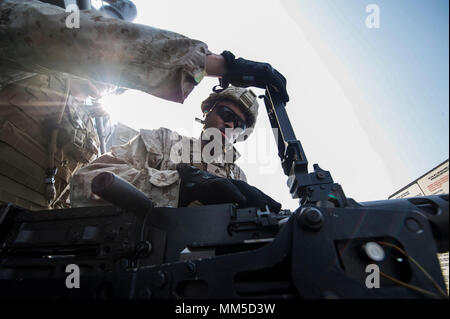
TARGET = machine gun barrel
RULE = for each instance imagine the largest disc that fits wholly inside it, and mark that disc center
(119, 192)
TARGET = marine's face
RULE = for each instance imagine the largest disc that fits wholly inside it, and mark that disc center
(228, 118)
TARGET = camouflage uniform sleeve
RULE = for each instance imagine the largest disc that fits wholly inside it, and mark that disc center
(34, 36)
(80, 185)
(140, 162)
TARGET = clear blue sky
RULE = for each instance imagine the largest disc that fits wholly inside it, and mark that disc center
(402, 69)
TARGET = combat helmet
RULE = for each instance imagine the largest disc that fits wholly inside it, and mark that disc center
(245, 98)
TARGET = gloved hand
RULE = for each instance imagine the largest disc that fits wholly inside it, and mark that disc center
(245, 73)
(197, 184)
(255, 197)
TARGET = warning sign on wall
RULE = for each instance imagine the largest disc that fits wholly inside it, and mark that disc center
(434, 182)
(412, 191)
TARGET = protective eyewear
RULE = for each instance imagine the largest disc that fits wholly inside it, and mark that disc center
(228, 115)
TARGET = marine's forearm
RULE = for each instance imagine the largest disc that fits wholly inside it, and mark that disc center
(162, 63)
(215, 65)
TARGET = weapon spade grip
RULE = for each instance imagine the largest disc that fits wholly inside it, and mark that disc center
(120, 193)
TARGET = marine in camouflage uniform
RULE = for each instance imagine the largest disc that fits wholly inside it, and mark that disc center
(149, 160)
(48, 70)
(149, 163)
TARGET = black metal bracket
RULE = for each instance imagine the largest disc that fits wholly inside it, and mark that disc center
(316, 188)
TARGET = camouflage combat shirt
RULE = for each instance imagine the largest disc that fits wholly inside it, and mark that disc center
(149, 162)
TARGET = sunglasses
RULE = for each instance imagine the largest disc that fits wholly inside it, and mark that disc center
(228, 115)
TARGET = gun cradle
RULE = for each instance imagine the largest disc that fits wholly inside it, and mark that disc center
(214, 251)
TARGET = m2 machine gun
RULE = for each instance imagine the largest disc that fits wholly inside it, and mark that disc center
(330, 247)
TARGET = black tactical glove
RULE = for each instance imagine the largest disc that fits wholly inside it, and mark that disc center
(197, 184)
(255, 197)
(245, 73)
